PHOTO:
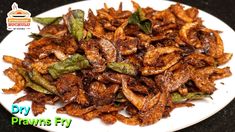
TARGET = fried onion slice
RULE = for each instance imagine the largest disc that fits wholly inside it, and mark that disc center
(150, 70)
(12, 60)
(17, 78)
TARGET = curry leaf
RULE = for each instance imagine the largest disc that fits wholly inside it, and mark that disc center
(31, 84)
(75, 23)
(88, 36)
(71, 64)
(177, 97)
(39, 36)
(40, 80)
(122, 67)
(141, 21)
(47, 20)
(146, 26)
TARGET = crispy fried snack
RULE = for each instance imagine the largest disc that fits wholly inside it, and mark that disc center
(146, 62)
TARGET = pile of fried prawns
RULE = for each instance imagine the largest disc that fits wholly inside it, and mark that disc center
(120, 65)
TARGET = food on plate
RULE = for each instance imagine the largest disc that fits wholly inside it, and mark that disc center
(145, 62)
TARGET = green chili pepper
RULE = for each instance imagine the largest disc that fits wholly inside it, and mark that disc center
(71, 64)
(122, 67)
(47, 20)
(75, 22)
(30, 84)
(141, 21)
(176, 97)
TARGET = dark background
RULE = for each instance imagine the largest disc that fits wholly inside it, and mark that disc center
(223, 9)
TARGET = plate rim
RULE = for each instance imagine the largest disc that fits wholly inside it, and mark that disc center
(169, 2)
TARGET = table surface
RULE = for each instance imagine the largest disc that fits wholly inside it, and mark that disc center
(224, 120)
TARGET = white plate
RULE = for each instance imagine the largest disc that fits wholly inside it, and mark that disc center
(14, 44)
